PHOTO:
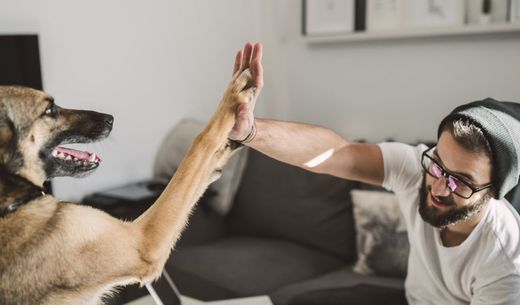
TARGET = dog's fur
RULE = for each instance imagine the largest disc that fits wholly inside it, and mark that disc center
(55, 252)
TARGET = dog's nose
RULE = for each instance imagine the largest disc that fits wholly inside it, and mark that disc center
(109, 120)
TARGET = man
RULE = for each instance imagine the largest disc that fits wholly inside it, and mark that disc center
(464, 237)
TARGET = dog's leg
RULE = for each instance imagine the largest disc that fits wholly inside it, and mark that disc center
(163, 223)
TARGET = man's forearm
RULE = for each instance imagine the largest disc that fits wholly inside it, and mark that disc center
(303, 145)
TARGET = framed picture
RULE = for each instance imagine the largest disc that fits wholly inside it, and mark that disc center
(432, 13)
(385, 15)
(487, 11)
(321, 17)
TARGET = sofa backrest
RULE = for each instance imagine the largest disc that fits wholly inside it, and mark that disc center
(277, 200)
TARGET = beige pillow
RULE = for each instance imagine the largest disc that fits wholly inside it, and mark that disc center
(382, 242)
(172, 151)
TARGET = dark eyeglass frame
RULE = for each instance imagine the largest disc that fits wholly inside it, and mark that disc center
(446, 174)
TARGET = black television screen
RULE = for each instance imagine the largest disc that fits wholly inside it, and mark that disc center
(20, 61)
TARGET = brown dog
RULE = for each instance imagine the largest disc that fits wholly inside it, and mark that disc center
(55, 252)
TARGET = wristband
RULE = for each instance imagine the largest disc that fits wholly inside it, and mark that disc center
(249, 137)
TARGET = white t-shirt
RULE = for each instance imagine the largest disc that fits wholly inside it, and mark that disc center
(484, 269)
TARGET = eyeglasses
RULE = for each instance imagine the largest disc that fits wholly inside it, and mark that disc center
(456, 184)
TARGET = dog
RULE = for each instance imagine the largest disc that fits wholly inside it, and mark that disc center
(56, 252)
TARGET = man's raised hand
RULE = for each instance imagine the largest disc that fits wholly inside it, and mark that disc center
(250, 57)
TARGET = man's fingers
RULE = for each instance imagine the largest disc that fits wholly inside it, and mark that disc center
(257, 53)
(248, 50)
(256, 67)
(258, 75)
(238, 62)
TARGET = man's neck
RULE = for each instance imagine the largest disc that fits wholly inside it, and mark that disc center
(455, 234)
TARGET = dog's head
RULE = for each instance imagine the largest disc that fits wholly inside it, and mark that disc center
(32, 128)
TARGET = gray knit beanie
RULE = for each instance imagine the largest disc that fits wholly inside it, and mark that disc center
(500, 122)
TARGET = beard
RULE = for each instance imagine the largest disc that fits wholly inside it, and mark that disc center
(453, 215)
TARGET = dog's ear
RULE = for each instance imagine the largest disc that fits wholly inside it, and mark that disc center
(7, 141)
(6, 131)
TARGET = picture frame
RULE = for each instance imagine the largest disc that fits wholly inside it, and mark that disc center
(385, 15)
(327, 17)
(436, 13)
(495, 11)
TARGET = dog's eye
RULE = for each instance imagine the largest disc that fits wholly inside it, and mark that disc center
(51, 111)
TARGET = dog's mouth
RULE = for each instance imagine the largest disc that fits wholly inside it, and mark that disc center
(77, 127)
(76, 158)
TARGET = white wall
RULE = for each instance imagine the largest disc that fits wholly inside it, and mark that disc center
(152, 63)
(149, 63)
(395, 88)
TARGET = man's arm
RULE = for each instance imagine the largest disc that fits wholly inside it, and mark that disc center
(310, 147)
(505, 291)
(319, 150)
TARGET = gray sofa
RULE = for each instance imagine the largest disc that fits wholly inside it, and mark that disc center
(290, 234)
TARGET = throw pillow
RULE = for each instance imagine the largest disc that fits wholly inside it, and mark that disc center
(176, 145)
(382, 242)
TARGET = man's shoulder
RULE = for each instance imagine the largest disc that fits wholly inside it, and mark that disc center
(402, 166)
(505, 224)
(396, 153)
(501, 235)
(400, 147)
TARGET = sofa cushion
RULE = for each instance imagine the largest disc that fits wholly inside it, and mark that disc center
(342, 278)
(242, 266)
(283, 201)
(382, 241)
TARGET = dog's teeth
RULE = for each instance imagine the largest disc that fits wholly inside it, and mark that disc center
(59, 154)
(92, 157)
(54, 153)
(68, 158)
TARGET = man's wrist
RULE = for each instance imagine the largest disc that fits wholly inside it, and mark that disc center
(250, 137)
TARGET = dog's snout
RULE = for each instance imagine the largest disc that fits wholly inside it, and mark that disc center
(109, 120)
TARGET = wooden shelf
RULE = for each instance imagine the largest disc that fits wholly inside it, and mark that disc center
(415, 33)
